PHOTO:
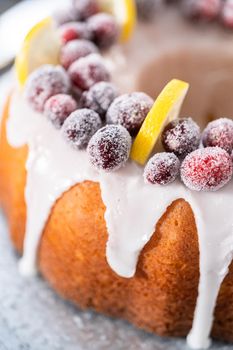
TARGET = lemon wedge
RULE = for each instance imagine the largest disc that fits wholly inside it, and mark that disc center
(166, 108)
(125, 13)
(41, 46)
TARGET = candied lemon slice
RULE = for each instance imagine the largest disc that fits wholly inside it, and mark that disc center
(165, 109)
(41, 46)
(125, 13)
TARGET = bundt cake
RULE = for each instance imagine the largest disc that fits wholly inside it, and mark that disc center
(122, 207)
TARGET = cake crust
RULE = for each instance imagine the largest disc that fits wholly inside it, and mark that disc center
(160, 298)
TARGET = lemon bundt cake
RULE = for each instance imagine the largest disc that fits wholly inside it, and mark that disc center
(123, 207)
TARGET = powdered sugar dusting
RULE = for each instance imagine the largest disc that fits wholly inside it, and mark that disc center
(162, 169)
(87, 71)
(109, 148)
(207, 169)
(219, 133)
(45, 82)
(130, 110)
(80, 126)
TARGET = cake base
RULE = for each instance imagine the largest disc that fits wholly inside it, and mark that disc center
(160, 298)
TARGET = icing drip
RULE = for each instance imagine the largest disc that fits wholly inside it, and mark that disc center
(132, 209)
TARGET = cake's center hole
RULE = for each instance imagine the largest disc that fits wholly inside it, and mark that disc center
(209, 73)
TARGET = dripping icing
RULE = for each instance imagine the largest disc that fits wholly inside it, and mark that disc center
(55, 167)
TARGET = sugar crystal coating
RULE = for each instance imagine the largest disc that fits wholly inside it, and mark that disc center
(65, 15)
(76, 49)
(80, 126)
(104, 30)
(130, 110)
(87, 71)
(74, 30)
(109, 148)
(181, 136)
(227, 14)
(58, 108)
(219, 133)
(45, 82)
(99, 97)
(85, 8)
(162, 169)
(207, 169)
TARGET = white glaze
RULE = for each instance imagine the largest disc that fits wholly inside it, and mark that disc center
(53, 167)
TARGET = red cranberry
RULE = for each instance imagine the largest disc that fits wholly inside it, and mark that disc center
(227, 14)
(181, 136)
(45, 82)
(162, 169)
(87, 71)
(76, 49)
(58, 108)
(80, 126)
(206, 9)
(74, 30)
(104, 30)
(129, 110)
(99, 97)
(219, 133)
(109, 148)
(207, 169)
(146, 9)
(85, 8)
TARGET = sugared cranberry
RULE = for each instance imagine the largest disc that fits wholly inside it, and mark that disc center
(104, 30)
(76, 49)
(74, 30)
(206, 9)
(45, 82)
(162, 169)
(130, 110)
(58, 108)
(80, 126)
(181, 136)
(146, 9)
(65, 15)
(99, 97)
(87, 71)
(207, 169)
(219, 133)
(109, 148)
(227, 13)
(85, 8)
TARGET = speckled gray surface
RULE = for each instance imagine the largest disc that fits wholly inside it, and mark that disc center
(32, 317)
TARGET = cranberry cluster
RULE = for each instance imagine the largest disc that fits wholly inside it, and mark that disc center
(204, 162)
(207, 10)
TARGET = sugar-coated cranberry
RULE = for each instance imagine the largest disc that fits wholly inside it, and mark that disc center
(181, 136)
(76, 49)
(129, 110)
(45, 82)
(227, 14)
(85, 8)
(87, 71)
(80, 126)
(104, 30)
(58, 107)
(146, 9)
(162, 169)
(219, 133)
(99, 97)
(74, 30)
(207, 169)
(206, 9)
(65, 15)
(109, 148)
